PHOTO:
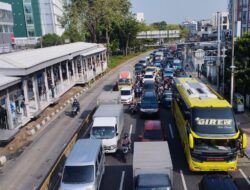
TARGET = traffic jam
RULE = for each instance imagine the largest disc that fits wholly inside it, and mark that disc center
(158, 85)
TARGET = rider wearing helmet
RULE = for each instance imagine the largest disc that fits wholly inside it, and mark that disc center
(76, 104)
(126, 140)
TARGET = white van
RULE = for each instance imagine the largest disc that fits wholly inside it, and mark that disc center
(84, 166)
(108, 123)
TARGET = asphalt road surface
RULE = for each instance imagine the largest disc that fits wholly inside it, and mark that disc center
(27, 170)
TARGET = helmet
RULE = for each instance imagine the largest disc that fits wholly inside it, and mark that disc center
(125, 135)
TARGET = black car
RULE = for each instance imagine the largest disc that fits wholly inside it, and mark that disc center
(220, 182)
(149, 85)
(138, 70)
(149, 104)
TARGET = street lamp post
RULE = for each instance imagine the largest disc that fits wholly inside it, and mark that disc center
(218, 53)
(223, 69)
(232, 60)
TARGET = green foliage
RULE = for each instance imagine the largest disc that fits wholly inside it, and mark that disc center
(51, 40)
(242, 63)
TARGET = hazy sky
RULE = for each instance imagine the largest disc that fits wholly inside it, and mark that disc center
(176, 11)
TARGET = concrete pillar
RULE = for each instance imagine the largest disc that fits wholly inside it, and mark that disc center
(76, 69)
(73, 69)
(46, 84)
(82, 66)
(61, 78)
(26, 97)
(67, 70)
(36, 94)
(52, 75)
(9, 115)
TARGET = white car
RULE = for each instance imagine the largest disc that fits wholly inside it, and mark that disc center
(149, 76)
(127, 95)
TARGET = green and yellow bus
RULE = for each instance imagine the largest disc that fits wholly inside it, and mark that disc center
(206, 123)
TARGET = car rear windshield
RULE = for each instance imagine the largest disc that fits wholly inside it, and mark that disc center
(148, 76)
(152, 134)
(78, 174)
(213, 121)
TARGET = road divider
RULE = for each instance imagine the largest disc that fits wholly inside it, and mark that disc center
(122, 180)
(245, 176)
(183, 180)
(130, 130)
(171, 131)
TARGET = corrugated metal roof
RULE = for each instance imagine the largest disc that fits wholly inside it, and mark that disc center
(30, 58)
(94, 51)
(8, 81)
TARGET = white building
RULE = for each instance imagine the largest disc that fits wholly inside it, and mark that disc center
(140, 17)
(6, 28)
(224, 21)
(51, 11)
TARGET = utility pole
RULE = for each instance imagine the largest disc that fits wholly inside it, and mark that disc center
(223, 70)
(218, 53)
(232, 60)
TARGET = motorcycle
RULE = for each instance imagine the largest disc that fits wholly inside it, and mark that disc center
(126, 148)
(132, 108)
(74, 110)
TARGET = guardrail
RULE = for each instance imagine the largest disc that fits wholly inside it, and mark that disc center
(49, 182)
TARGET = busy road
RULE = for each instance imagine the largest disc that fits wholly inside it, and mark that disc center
(119, 175)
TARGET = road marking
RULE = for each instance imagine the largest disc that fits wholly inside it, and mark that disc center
(183, 180)
(244, 175)
(122, 180)
(171, 130)
(130, 130)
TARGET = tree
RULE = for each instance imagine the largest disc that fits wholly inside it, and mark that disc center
(129, 28)
(242, 63)
(160, 25)
(50, 40)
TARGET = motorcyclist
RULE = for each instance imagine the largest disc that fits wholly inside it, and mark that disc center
(126, 140)
(76, 105)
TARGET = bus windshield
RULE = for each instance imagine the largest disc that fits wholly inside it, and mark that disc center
(213, 121)
(214, 146)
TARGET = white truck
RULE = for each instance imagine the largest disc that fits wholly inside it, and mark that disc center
(152, 166)
(108, 122)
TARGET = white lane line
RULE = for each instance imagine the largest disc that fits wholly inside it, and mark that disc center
(171, 130)
(183, 180)
(122, 180)
(245, 176)
(130, 130)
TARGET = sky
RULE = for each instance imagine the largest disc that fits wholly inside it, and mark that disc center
(177, 11)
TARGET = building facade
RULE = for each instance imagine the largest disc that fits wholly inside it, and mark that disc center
(241, 15)
(222, 19)
(192, 26)
(6, 28)
(34, 18)
(51, 13)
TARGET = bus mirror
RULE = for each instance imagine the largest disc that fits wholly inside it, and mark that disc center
(244, 141)
(191, 141)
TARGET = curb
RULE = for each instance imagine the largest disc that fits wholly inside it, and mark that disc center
(3, 159)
